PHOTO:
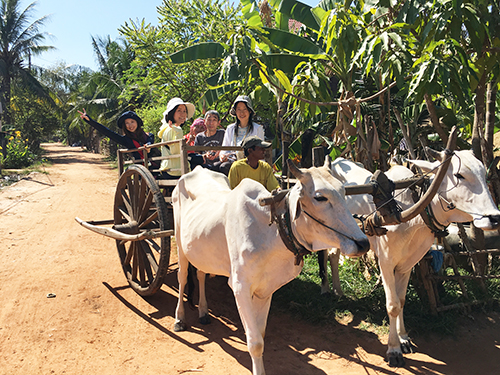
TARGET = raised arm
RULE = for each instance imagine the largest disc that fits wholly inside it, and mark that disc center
(118, 138)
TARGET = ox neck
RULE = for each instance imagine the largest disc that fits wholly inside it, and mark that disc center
(433, 214)
(284, 224)
(437, 226)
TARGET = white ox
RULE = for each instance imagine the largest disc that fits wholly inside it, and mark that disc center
(463, 196)
(226, 232)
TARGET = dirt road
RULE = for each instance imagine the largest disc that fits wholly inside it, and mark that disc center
(95, 324)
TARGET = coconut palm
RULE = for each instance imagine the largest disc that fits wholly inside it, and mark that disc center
(19, 40)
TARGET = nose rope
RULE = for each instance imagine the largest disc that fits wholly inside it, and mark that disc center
(326, 226)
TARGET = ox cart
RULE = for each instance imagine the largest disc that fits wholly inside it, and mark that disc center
(142, 223)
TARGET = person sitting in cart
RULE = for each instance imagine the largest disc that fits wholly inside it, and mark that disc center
(198, 126)
(133, 135)
(212, 136)
(253, 166)
(174, 117)
(241, 129)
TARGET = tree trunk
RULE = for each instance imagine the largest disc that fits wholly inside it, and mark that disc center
(491, 94)
(435, 119)
(479, 116)
(491, 163)
(477, 134)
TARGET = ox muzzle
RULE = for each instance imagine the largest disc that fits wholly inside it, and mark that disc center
(490, 222)
(363, 246)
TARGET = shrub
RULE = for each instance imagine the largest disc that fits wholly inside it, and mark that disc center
(18, 154)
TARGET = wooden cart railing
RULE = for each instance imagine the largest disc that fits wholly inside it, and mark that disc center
(122, 163)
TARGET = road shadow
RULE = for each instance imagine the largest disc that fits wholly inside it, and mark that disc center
(63, 155)
(286, 336)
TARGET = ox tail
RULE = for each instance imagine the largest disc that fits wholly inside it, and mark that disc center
(191, 285)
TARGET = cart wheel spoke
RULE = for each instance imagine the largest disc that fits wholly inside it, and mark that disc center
(154, 245)
(150, 258)
(129, 256)
(146, 204)
(143, 193)
(142, 273)
(148, 263)
(125, 214)
(135, 259)
(149, 220)
(127, 205)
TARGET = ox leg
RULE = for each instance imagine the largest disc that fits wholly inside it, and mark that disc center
(253, 313)
(393, 306)
(334, 257)
(323, 273)
(182, 276)
(401, 287)
(202, 304)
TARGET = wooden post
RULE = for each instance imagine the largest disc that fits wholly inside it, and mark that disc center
(318, 156)
(184, 158)
(285, 142)
(307, 142)
(422, 267)
(477, 235)
(119, 157)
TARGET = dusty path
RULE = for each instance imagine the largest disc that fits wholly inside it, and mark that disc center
(97, 325)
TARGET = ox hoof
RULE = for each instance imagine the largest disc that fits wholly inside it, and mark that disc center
(180, 326)
(408, 347)
(395, 359)
(205, 319)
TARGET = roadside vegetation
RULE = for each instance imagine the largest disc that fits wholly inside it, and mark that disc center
(374, 81)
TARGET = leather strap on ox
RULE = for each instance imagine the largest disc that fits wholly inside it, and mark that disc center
(284, 225)
(427, 214)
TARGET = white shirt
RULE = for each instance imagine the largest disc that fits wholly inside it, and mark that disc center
(229, 138)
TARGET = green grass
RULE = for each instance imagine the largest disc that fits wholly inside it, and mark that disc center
(363, 305)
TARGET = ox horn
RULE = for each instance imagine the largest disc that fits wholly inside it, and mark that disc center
(435, 154)
(426, 199)
(328, 162)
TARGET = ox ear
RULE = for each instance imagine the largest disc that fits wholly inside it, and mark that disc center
(295, 207)
(328, 162)
(295, 171)
(425, 166)
(435, 154)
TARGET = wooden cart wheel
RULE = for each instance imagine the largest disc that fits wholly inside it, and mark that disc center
(140, 206)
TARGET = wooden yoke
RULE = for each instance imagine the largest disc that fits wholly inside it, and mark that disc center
(376, 220)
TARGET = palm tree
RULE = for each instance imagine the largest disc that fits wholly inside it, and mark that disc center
(19, 40)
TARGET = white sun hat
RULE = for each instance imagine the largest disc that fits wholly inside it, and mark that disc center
(174, 102)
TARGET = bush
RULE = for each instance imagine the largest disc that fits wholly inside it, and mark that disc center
(18, 154)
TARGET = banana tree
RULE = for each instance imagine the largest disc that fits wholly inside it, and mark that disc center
(249, 59)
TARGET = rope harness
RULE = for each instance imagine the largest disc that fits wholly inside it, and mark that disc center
(439, 230)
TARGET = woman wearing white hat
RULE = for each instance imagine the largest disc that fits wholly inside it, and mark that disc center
(174, 117)
(243, 128)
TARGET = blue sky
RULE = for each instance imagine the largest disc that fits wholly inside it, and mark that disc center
(72, 22)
